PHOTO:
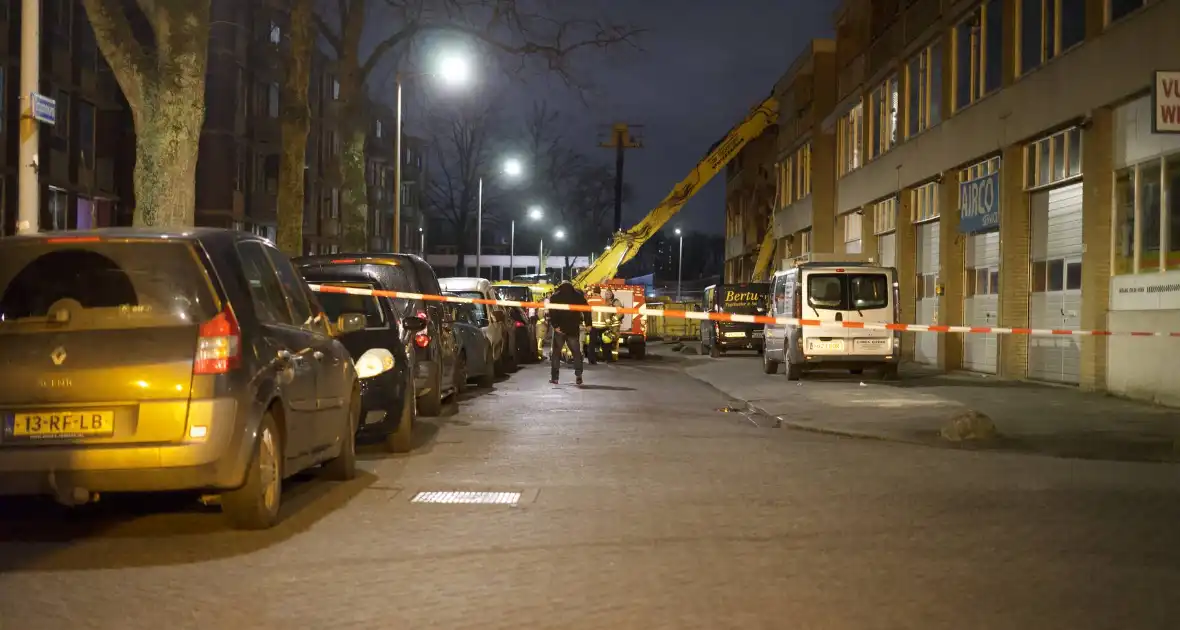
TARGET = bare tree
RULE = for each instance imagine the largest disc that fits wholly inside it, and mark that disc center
(158, 52)
(463, 142)
(516, 28)
(295, 125)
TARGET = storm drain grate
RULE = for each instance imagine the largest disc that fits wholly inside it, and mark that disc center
(454, 497)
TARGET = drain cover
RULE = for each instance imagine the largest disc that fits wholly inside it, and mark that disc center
(471, 498)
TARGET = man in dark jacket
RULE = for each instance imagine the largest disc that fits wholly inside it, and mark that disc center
(567, 327)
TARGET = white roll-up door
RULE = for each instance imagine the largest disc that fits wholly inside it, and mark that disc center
(982, 301)
(1056, 300)
(926, 348)
(887, 249)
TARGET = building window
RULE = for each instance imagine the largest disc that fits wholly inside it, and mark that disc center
(1047, 28)
(924, 89)
(801, 173)
(852, 231)
(276, 33)
(978, 45)
(272, 100)
(850, 140)
(1147, 217)
(61, 125)
(1053, 159)
(883, 117)
(335, 88)
(1119, 9)
(885, 216)
(786, 190)
(377, 129)
(924, 203)
(86, 134)
(3, 100)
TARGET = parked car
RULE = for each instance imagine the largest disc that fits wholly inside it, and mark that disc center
(493, 319)
(524, 335)
(475, 351)
(143, 360)
(434, 358)
(380, 340)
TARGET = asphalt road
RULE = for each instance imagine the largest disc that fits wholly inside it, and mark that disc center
(643, 506)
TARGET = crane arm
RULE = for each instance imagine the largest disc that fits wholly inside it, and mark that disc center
(764, 254)
(626, 243)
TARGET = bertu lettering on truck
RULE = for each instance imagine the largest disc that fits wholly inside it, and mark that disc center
(732, 297)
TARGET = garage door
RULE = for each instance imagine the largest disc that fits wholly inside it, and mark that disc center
(1056, 300)
(981, 306)
(887, 249)
(926, 348)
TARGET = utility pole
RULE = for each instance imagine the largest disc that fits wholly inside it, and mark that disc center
(397, 172)
(28, 184)
(621, 139)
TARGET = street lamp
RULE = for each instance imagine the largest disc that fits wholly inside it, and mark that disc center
(557, 235)
(513, 168)
(535, 214)
(453, 69)
(422, 242)
(679, 264)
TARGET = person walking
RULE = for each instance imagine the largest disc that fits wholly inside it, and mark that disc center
(567, 328)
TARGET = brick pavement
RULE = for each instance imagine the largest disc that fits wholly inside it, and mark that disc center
(652, 511)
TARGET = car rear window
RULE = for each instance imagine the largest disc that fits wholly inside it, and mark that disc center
(103, 284)
(336, 304)
(480, 310)
(848, 291)
(516, 294)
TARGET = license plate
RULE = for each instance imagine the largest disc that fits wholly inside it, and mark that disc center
(733, 334)
(63, 424)
(827, 346)
(756, 333)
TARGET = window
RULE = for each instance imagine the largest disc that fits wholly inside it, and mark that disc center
(924, 203)
(293, 286)
(801, 162)
(1119, 9)
(885, 216)
(335, 83)
(1047, 28)
(847, 291)
(272, 100)
(786, 190)
(1053, 159)
(3, 99)
(1056, 275)
(61, 126)
(86, 133)
(924, 89)
(850, 140)
(276, 33)
(978, 45)
(377, 129)
(852, 227)
(1147, 217)
(270, 306)
(883, 123)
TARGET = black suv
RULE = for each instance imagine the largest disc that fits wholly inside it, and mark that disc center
(434, 348)
(142, 360)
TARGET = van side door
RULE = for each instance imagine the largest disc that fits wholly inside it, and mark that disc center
(773, 337)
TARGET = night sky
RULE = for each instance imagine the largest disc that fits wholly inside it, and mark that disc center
(701, 67)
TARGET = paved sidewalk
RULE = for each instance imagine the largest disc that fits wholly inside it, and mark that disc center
(1034, 418)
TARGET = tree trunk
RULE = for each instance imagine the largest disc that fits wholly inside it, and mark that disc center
(295, 124)
(354, 197)
(167, 138)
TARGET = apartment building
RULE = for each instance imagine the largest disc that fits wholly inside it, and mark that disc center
(379, 150)
(1005, 156)
(87, 157)
(749, 200)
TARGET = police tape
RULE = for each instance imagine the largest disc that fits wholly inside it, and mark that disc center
(739, 318)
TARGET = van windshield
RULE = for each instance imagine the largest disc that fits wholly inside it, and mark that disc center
(848, 291)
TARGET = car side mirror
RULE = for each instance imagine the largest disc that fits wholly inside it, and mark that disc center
(350, 322)
(413, 324)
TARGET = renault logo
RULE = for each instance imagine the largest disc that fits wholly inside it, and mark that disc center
(58, 356)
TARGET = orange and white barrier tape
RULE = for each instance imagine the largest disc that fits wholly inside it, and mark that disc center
(648, 311)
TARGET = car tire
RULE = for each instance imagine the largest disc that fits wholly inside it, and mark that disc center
(256, 504)
(402, 440)
(794, 371)
(511, 364)
(343, 466)
(769, 366)
(461, 373)
(430, 403)
(488, 378)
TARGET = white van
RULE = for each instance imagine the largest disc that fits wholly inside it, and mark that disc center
(833, 292)
(494, 320)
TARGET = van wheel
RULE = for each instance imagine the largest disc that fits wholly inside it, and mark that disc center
(770, 366)
(343, 466)
(430, 404)
(256, 504)
(714, 351)
(794, 371)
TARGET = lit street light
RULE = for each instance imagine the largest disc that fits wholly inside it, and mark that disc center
(559, 235)
(535, 214)
(454, 69)
(679, 264)
(513, 168)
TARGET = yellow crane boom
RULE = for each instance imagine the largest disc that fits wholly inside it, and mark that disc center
(627, 242)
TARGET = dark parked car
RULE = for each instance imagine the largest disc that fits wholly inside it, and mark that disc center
(475, 351)
(379, 339)
(142, 360)
(525, 335)
(434, 349)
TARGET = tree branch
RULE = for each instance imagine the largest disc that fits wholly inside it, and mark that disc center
(127, 58)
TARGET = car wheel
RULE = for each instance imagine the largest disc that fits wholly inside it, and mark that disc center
(794, 371)
(487, 378)
(769, 366)
(430, 404)
(256, 504)
(501, 369)
(461, 373)
(402, 440)
(512, 364)
(343, 466)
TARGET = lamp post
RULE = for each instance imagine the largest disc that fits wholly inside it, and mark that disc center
(512, 168)
(679, 264)
(453, 69)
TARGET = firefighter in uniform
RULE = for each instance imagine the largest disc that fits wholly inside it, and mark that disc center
(594, 336)
(605, 333)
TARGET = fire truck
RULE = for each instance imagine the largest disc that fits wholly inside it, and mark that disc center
(633, 328)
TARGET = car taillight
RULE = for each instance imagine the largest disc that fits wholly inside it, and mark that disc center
(520, 324)
(797, 312)
(219, 345)
(422, 338)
